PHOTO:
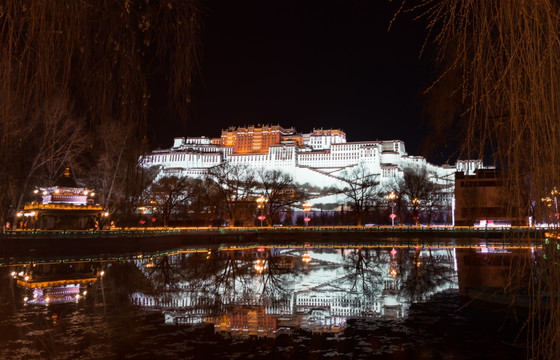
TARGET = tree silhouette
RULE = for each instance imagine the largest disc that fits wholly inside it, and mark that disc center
(100, 61)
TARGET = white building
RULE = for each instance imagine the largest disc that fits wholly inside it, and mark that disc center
(317, 158)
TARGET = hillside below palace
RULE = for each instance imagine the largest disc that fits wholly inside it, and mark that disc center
(318, 158)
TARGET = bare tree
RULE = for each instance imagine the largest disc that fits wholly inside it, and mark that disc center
(361, 188)
(56, 142)
(280, 192)
(108, 175)
(167, 194)
(418, 190)
(236, 184)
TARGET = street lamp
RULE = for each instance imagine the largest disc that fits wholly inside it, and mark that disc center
(306, 208)
(548, 203)
(261, 201)
(392, 197)
(415, 204)
(554, 192)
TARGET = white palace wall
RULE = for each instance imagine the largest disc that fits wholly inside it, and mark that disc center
(319, 165)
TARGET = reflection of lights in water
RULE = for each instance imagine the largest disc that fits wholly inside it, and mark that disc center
(393, 272)
(259, 266)
(150, 265)
(306, 258)
(59, 294)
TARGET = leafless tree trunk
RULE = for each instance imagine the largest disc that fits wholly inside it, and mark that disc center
(56, 141)
(280, 192)
(236, 184)
(360, 187)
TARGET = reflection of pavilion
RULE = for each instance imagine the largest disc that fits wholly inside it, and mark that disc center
(55, 283)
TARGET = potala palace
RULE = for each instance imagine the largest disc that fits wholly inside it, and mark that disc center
(317, 158)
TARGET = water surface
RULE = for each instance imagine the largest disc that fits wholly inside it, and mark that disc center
(376, 301)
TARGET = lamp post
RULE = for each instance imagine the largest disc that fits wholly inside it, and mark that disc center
(392, 197)
(548, 203)
(261, 201)
(306, 208)
(415, 204)
(554, 192)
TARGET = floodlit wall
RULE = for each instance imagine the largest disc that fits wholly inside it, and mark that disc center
(321, 159)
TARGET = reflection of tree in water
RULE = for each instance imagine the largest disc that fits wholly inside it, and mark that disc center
(231, 276)
(174, 276)
(162, 274)
(274, 284)
(7, 297)
(422, 273)
(416, 275)
(364, 267)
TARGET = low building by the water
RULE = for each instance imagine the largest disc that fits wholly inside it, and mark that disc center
(481, 200)
(64, 206)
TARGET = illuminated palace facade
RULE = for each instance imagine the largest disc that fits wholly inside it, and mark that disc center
(318, 158)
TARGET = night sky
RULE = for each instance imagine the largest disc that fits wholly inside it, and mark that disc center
(309, 64)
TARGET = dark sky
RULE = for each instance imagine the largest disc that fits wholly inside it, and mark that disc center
(310, 64)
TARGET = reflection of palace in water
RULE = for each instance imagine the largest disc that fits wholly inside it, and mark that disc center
(276, 290)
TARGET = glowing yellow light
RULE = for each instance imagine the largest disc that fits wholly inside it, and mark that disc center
(25, 299)
(102, 273)
(259, 266)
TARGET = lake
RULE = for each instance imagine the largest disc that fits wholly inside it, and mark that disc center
(385, 299)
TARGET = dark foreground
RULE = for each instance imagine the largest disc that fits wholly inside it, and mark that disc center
(439, 329)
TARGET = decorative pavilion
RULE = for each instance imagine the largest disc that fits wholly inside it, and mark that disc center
(64, 206)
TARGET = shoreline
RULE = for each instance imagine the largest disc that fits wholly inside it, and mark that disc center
(17, 246)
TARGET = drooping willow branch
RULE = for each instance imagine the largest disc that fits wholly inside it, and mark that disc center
(98, 59)
(501, 59)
